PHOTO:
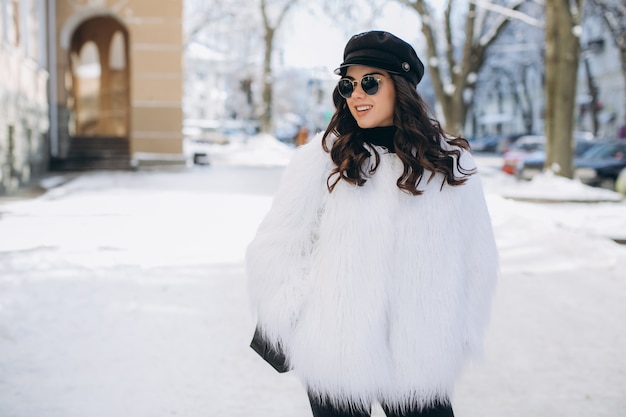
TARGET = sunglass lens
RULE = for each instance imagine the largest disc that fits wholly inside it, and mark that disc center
(369, 84)
(345, 88)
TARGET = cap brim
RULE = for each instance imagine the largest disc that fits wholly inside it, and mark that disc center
(374, 64)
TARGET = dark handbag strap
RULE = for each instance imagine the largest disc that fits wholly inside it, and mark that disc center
(275, 357)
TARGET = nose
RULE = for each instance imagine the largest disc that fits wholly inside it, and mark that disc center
(358, 91)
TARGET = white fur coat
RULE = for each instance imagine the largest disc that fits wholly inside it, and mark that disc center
(374, 294)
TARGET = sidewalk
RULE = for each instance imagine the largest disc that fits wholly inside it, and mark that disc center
(124, 295)
(38, 187)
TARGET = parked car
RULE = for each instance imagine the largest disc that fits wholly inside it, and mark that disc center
(602, 163)
(620, 184)
(523, 148)
(526, 157)
(533, 164)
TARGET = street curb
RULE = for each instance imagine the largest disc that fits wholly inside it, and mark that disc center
(561, 200)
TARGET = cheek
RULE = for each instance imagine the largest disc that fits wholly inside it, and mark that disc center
(350, 109)
(390, 103)
(392, 99)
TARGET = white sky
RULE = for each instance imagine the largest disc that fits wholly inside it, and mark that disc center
(316, 41)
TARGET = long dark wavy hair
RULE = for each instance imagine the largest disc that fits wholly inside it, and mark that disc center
(417, 142)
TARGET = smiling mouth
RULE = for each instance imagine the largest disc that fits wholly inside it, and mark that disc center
(363, 108)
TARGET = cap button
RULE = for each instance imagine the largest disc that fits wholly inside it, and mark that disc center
(406, 67)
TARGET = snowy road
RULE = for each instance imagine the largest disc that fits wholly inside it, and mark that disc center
(123, 294)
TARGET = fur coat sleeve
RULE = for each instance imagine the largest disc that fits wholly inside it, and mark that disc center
(479, 258)
(277, 260)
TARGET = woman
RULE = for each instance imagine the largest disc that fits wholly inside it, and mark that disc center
(374, 269)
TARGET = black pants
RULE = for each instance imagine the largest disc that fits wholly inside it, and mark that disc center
(327, 410)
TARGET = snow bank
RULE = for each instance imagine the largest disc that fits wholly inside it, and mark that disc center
(548, 187)
(259, 150)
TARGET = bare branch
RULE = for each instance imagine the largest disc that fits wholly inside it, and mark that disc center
(449, 45)
(283, 12)
(469, 39)
(499, 25)
(510, 12)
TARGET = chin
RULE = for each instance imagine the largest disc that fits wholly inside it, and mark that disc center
(366, 125)
(370, 124)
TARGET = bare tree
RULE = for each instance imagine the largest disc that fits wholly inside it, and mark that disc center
(354, 15)
(563, 19)
(270, 26)
(225, 25)
(200, 15)
(232, 31)
(454, 57)
(506, 81)
(516, 57)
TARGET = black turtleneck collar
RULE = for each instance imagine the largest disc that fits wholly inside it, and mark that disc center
(379, 136)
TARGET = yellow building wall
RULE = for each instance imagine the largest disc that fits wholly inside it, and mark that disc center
(156, 65)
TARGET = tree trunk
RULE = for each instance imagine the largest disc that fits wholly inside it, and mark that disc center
(267, 124)
(592, 106)
(527, 106)
(454, 110)
(266, 115)
(562, 56)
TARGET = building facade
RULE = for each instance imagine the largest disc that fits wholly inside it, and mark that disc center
(601, 90)
(88, 84)
(23, 92)
(116, 88)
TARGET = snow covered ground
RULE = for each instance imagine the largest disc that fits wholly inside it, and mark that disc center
(123, 294)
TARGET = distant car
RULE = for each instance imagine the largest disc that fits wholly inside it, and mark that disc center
(602, 163)
(484, 143)
(533, 164)
(507, 141)
(523, 148)
(286, 134)
(198, 147)
(198, 138)
(201, 136)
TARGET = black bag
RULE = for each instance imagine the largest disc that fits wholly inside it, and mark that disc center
(274, 357)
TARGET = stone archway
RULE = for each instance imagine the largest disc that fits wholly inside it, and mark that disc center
(99, 79)
(97, 87)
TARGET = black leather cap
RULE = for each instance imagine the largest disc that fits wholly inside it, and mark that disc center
(382, 50)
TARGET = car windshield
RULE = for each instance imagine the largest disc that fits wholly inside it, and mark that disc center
(583, 146)
(606, 151)
(530, 146)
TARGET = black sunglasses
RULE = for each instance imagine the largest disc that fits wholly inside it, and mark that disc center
(369, 84)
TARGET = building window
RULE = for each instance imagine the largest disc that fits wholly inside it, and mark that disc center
(11, 32)
(42, 36)
(117, 53)
(89, 61)
(3, 24)
(87, 89)
(31, 29)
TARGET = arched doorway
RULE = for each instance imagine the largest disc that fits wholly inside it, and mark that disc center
(100, 78)
(98, 86)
